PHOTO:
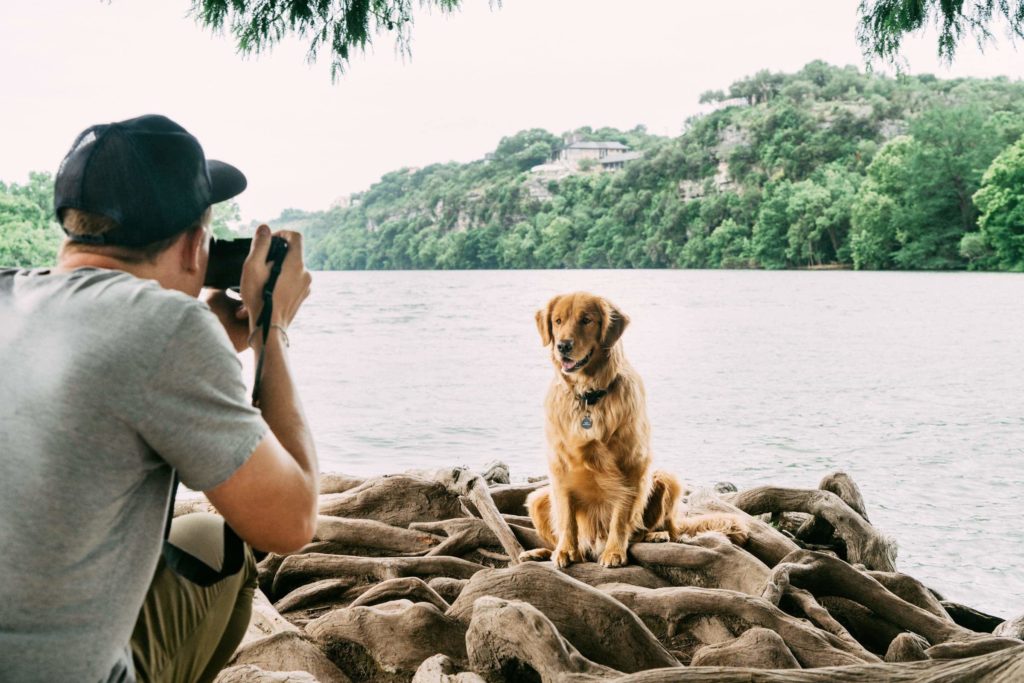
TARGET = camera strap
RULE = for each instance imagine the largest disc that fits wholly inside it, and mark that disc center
(263, 322)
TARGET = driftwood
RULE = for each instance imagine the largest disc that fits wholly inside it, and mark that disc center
(864, 544)
(389, 641)
(597, 625)
(415, 577)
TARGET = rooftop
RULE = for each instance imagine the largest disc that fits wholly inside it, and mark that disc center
(612, 144)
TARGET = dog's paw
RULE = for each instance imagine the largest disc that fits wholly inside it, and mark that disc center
(535, 555)
(563, 557)
(657, 537)
(613, 557)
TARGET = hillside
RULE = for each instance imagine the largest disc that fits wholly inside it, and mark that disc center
(824, 166)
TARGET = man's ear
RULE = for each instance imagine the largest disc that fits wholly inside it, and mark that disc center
(191, 246)
(543, 318)
(613, 324)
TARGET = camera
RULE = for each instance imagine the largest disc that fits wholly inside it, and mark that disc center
(228, 256)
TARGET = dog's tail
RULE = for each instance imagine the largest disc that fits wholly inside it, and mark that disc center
(733, 526)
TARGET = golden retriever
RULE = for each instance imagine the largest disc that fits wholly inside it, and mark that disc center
(603, 492)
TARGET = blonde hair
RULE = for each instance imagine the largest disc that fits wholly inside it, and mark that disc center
(78, 222)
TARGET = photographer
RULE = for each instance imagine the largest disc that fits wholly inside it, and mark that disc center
(115, 376)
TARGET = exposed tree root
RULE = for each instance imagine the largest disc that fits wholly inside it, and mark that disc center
(416, 577)
(597, 625)
(864, 544)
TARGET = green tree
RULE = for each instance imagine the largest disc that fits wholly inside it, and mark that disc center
(341, 27)
(225, 215)
(885, 23)
(1001, 202)
(29, 236)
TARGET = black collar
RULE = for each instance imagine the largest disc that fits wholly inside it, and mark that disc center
(591, 397)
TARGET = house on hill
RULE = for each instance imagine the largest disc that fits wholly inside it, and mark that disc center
(576, 151)
(583, 155)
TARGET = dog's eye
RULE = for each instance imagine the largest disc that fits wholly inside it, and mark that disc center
(585, 321)
(558, 321)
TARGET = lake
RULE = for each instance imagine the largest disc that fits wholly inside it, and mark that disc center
(910, 382)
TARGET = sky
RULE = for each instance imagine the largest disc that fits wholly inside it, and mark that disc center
(474, 76)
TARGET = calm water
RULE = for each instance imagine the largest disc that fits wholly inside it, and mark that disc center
(912, 383)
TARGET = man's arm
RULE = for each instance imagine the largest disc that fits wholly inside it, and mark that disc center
(271, 500)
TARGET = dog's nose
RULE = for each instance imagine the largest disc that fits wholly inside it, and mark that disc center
(565, 346)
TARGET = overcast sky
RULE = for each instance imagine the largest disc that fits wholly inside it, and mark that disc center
(474, 77)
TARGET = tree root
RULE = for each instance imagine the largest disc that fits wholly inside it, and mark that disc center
(598, 626)
(297, 570)
(689, 618)
(388, 641)
(864, 544)
(707, 561)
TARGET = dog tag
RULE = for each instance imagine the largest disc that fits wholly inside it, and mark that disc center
(587, 423)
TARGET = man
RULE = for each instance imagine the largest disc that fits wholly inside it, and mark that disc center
(114, 376)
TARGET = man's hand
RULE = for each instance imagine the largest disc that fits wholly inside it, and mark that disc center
(293, 284)
(232, 316)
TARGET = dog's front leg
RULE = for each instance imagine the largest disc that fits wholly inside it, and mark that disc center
(619, 530)
(568, 549)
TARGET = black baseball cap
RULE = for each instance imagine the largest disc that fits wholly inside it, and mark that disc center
(148, 174)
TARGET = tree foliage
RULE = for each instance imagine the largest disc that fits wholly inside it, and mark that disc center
(28, 234)
(1001, 202)
(885, 23)
(341, 27)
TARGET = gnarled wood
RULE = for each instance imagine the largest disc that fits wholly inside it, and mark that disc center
(265, 620)
(355, 534)
(326, 592)
(388, 641)
(247, 673)
(824, 575)
(971, 648)
(764, 541)
(817, 529)
(689, 618)
(441, 669)
(336, 482)
(398, 500)
(907, 647)
(968, 617)
(289, 651)
(297, 570)
(756, 648)
(407, 588)
(706, 561)
(511, 498)
(598, 626)
(513, 641)
(465, 483)
(864, 544)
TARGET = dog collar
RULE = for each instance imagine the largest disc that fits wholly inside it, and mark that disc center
(592, 397)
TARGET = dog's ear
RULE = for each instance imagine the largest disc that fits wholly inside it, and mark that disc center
(543, 318)
(613, 324)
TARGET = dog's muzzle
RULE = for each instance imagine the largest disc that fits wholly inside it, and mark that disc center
(570, 365)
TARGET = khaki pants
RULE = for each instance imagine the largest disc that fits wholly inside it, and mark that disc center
(187, 632)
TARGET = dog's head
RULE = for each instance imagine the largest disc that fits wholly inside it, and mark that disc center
(580, 328)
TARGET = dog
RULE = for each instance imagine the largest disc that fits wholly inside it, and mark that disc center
(603, 492)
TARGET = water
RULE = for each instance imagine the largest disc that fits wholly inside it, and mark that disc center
(910, 382)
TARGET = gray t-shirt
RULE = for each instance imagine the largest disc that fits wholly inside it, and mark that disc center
(107, 381)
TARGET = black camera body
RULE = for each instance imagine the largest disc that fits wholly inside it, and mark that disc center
(228, 256)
